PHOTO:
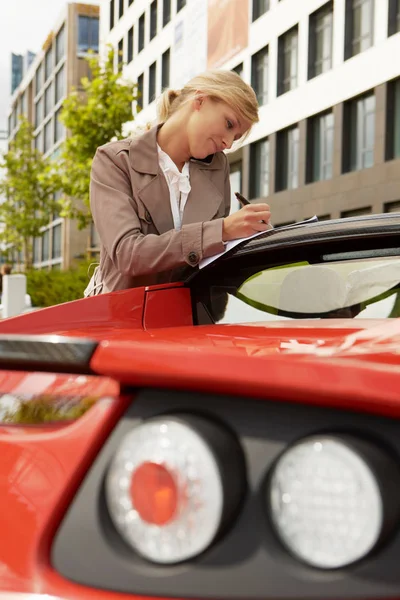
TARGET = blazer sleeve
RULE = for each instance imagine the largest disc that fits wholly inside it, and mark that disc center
(115, 216)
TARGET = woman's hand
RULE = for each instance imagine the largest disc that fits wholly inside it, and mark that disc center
(246, 221)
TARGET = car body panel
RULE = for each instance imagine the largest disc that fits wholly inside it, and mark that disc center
(354, 380)
(147, 339)
(39, 473)
(99, 316)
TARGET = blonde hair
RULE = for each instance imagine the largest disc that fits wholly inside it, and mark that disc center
(219, 85)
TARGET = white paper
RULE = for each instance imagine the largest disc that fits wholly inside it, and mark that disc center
(232, 243)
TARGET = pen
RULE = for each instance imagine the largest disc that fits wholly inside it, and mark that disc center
(243, 201)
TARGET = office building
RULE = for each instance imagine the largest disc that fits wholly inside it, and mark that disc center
(3, 150)
(327, 80)
(53, 73)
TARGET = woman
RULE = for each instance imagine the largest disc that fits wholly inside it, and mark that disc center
(160, 202)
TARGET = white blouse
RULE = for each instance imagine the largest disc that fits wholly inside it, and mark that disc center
(178, 185)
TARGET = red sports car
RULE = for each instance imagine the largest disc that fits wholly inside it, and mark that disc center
(232, 436)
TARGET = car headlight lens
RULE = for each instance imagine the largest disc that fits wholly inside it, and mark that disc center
(172, 486)
(329, 500)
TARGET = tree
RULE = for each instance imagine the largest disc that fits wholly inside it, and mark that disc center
(28, 186)
(93, 116)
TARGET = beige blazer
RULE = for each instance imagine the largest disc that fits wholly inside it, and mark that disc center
(130, 203)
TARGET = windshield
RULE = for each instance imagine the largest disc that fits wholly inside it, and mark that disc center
(328, 289)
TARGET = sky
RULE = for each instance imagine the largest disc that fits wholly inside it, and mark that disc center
(24, 25)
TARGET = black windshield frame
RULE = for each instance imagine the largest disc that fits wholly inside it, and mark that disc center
(374, 237)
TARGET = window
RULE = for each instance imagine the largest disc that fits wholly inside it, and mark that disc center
(152, 81)
(39, 79)
(235, 179)
(48, 137)
(121, 8)
(59, 129)
(359, 26)
(36, 257)
(394, 17)
(88, 34)
(259, 75)
(166, 12)
(60, 45)
(56, 239)
(48, 99)
(165, 66)
(393, 120)
(259, 161)
(357, 212)
(17, 70)
(259, 8)
(396, 145)
(39, 141)
(120, 54)
(180, 4)
(130, 45)
(359, 133)
(390, 207)
(36, 250)
(55, 154)
(140, 87)
(45, 245)
(287, 61)
(112, 12)
(60, 87)
(141, 32)
(48, 63)
(287, 159)
(153, 19)
(57, 197)
(23, 103)
(320, 147)
(320, 41)
(239, 70)
(39, 112)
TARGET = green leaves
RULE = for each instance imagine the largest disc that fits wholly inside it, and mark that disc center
(47, 288)
(92, 118)
(93, 115)
(28, 187)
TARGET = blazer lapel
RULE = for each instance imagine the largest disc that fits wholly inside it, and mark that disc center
(204, 198)
(153, 192)
(155, 197)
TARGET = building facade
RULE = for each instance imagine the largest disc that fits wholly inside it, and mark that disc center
(54, 72)
(3, 150)
(327, 80)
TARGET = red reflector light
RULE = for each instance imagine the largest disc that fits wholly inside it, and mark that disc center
(154, 493)
(174, 484)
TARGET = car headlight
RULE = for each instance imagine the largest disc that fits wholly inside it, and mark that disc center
(174, 484)
(330, 499)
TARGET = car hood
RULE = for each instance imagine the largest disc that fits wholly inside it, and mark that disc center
(347, 363)
(333, 338)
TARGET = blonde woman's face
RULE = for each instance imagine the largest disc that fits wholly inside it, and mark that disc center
(213, 126)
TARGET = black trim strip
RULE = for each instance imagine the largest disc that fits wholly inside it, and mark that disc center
(372, 226)
(45, 352)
